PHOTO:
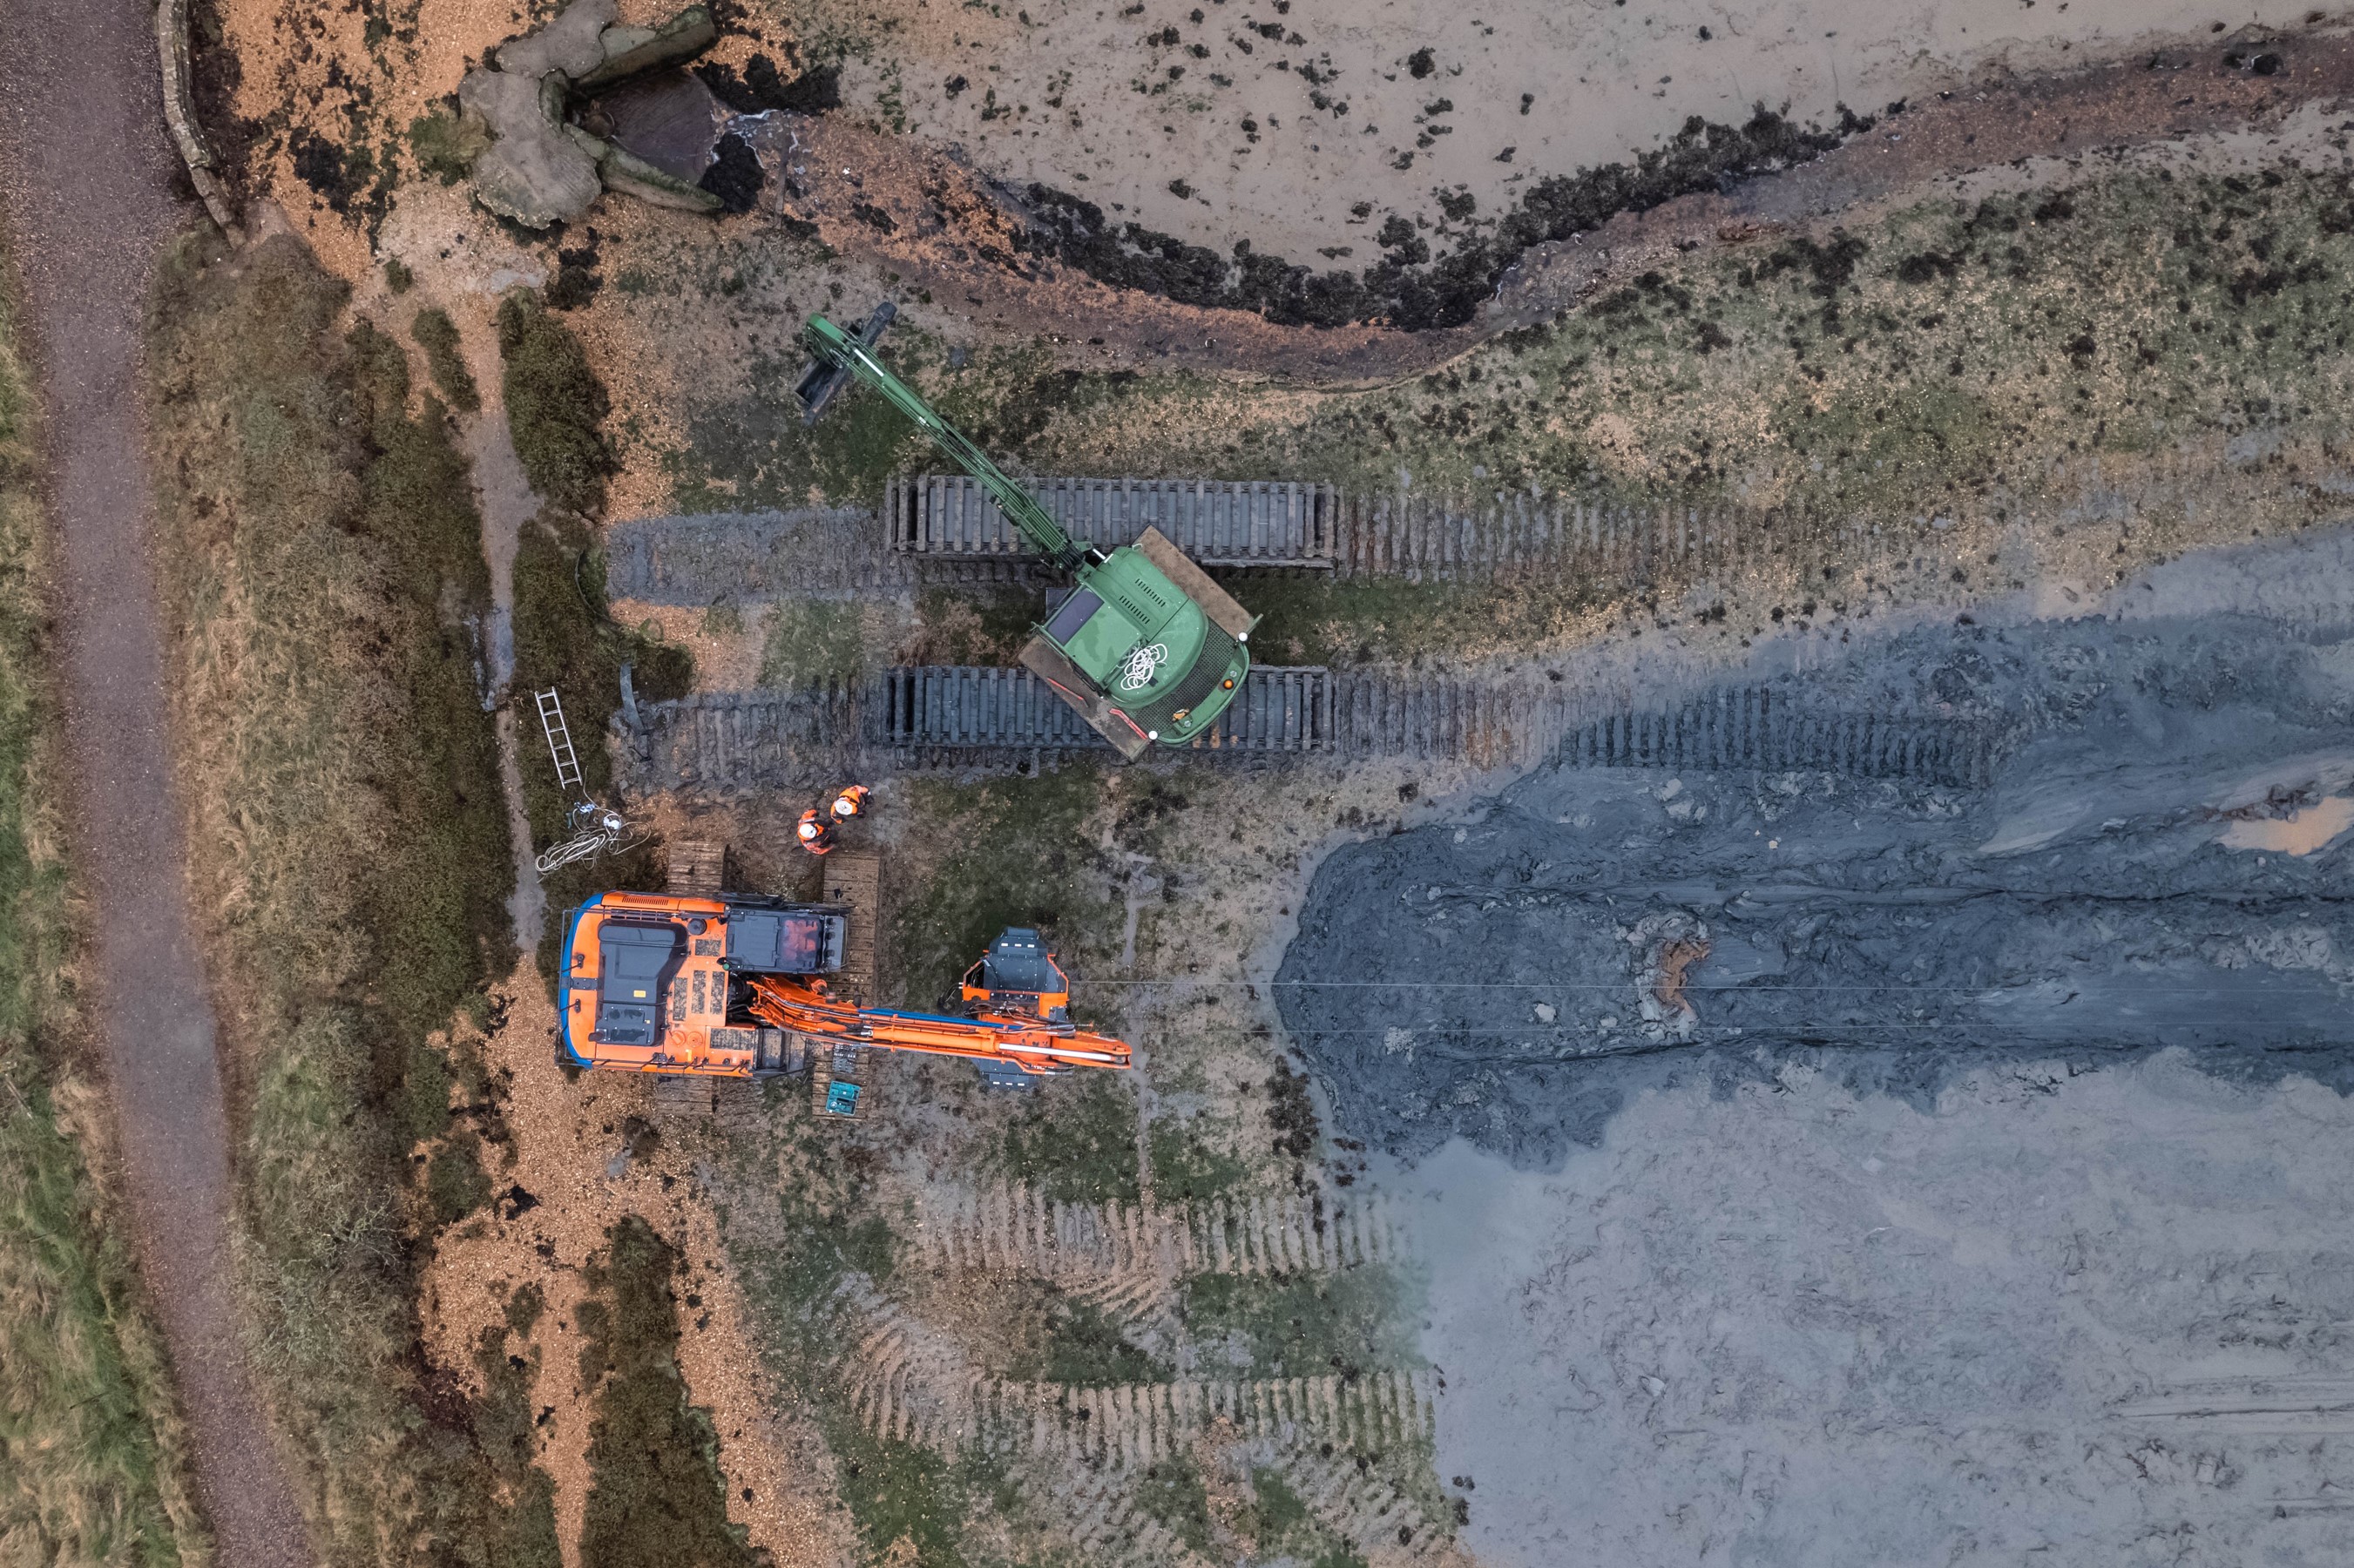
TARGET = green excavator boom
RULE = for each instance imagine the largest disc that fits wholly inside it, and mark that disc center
(1145, 646)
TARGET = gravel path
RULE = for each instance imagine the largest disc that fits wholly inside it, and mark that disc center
(86, 197)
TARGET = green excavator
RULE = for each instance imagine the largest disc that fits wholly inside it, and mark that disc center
(1145, 646)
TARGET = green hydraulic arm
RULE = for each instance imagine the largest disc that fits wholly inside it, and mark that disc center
(837, 351)
(1146, 647)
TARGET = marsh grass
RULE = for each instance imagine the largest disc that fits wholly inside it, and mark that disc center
(556, 406)
(93, 1460)
(324, 565)
(566, 641)
(437, 334)
(659, 1498)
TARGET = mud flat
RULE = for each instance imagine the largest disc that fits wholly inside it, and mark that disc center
(2110, 891)
(2091, 1321)
(1822, 1168)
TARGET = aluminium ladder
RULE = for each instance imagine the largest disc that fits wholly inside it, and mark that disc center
(560, 741)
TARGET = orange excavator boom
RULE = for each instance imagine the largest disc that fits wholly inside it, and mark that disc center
(802, 1005)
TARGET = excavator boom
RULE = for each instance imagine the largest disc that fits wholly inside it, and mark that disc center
(839, 355)
(803, 1007)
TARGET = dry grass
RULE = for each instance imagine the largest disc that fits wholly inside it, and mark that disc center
(90, 1440)
(351, 857)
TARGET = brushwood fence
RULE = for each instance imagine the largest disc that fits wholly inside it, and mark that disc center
(943, 526)
(990, 717)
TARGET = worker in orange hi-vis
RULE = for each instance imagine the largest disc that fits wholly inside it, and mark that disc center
(850, 802)
(814, 832)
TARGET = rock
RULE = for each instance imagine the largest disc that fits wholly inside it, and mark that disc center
(572, 43)
(628, 51)
(634, 176)
(534, 172)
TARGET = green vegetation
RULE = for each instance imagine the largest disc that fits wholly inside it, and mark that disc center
(1305, 1325)
(975, 624)
(1952, 347)
(565, 638)
(1172, 1492)
(351, 858)
(1187, 1168)
(1075, 1140)
(750, 447)
(556, 406)
(1017, 854)
(90, 1441)
(1280, 1520)
(504, 1421)
(659, 1496)
(397, 276)
(1948, 358)
(437, 334)
(446, 143)
(810, 641)
(1085, 1348)
(901, 1492)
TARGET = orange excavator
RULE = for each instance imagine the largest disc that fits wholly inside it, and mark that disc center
(735, 987)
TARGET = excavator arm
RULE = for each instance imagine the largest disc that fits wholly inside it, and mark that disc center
(804, 1006)
(838, 356)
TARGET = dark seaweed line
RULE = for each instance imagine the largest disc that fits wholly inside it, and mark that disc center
(1407, 289)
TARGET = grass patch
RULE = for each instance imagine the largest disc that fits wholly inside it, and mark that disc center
(565, 638)
(1187, 1168)
(975, 625)
(504, 1426)
(1279, 1519)
(1017, 854)
(446, 144)
(351, 855)
(910, 1503)
(811, 641)
(1085, 1348)
(91, 1438)
(1172, 1492)
(1075, 1140)
(1305, 1325)
(659, 1496)
(556, 406)
(750, 447)
(753, 449)
(1948, 348)
(437, 334)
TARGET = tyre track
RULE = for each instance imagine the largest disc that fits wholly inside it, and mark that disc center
(1011, 1227)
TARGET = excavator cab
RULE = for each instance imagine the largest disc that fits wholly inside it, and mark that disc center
(1018, 975)
(637, 959)
(658, 983)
